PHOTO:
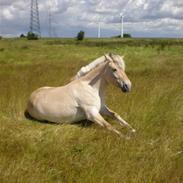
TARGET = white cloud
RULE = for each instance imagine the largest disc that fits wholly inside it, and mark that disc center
(6, 13)
(142, 17)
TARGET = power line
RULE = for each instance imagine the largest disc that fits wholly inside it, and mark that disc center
(34, 18)
(50, 22)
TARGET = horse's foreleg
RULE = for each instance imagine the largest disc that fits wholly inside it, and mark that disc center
(108, 112)
(94, 115)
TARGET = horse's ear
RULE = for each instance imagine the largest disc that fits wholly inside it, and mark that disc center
(107, 57)
(110, 54)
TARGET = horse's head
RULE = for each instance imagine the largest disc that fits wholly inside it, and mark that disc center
(115, 72)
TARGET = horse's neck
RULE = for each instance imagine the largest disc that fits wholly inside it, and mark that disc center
(96, 78)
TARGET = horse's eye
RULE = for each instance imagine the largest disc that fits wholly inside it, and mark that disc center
(114, 70)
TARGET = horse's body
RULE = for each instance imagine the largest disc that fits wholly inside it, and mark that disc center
(62, 104)
(82, 98)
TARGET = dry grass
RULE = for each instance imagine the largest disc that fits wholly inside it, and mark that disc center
(35, 152)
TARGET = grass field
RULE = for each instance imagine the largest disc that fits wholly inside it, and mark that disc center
(33, 152)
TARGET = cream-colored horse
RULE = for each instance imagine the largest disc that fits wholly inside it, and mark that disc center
(82, 98)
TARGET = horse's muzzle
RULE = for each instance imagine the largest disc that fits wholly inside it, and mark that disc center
(125, 87)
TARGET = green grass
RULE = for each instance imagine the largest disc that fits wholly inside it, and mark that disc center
(33, 152)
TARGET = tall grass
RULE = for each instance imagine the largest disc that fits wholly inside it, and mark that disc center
(37, 152)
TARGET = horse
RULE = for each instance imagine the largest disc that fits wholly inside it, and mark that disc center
(83, 97)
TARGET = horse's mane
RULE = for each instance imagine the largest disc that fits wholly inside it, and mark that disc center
(86, 69)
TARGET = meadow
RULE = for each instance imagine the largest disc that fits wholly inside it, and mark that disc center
(34, 152)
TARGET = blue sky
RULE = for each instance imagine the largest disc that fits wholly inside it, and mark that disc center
(143, 18)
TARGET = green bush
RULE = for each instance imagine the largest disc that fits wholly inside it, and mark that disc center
(124, 36)
(80, 35)
(22, 36)
(32, 36)
(127, 35)
(0, 37)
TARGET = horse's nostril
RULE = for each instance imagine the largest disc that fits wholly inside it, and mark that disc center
(125, 87)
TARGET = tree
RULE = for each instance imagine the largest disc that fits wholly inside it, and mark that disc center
(22, 36)
(32, 36)
(80, 35)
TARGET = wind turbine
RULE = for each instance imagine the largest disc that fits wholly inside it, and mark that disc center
(99, 30)
(122, 17)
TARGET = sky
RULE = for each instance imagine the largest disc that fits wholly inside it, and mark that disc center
(142, 18)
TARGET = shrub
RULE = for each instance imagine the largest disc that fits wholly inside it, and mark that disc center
(127, 35)
(124, 36)
(22, 36)
(80, 35)
(0, 37)
(32, 36)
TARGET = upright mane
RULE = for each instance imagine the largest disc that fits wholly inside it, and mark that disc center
(86, 69)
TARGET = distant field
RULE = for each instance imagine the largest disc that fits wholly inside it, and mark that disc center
(33, 152)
